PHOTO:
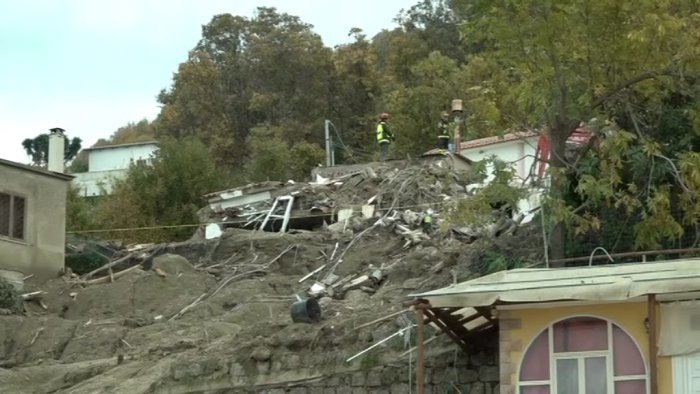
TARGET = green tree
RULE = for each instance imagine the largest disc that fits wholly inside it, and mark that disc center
(80, 213)
(305, 156)
(270, 157)
(356, 90)
(166, 192)
(233, 82)
(140, 131)
(568, 62)
(195, 106)
(38, 148)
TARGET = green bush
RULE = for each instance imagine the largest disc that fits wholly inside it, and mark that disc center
(84, 262)
(494, 261)
(9, 297)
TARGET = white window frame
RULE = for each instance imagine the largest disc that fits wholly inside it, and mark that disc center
(608, 354)
(681, 373)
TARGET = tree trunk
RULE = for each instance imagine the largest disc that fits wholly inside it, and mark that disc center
(557, 161)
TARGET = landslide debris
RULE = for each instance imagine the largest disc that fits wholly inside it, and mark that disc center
(213, 315)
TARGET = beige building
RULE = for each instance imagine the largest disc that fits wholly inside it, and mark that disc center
(33, 217)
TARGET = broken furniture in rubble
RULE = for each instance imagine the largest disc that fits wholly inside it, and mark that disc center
(286, 202)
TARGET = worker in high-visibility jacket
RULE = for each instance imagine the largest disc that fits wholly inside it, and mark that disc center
(384, 136)
(444, 131)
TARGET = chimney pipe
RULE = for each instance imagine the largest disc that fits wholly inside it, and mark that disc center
(457, 111)
(57, 142)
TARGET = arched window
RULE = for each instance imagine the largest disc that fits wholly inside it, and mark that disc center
(583, 355)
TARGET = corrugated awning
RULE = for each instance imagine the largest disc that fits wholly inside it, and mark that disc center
(618, 282)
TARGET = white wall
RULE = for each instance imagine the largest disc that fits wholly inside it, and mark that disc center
(119, 158)
(521, 153)
(92, 183)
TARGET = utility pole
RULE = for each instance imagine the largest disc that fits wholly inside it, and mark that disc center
(330, 154)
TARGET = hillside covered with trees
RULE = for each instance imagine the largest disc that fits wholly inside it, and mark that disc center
(253, 95)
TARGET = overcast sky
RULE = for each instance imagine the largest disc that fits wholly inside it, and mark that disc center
(91, 66)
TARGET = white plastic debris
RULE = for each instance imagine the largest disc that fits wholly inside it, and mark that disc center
(212, 231)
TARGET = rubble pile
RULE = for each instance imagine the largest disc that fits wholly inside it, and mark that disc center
(372, 190)
(252, 311)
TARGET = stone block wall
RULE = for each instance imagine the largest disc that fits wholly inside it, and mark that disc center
(451, 372)
(506, 345)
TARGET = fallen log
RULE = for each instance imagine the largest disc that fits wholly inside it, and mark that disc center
(112, 278)
(381, 319)
(33, 296)
(107, 266)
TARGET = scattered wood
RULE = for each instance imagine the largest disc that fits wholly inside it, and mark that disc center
(358, 282)
(381, 319)
(126, 343)
(117, 275)
(352, 242)
(33, 296)
(39, 331)
(141, 252)
(107, 266)
(234, 276)
(310, 274)
(160, 272)
(188, 307)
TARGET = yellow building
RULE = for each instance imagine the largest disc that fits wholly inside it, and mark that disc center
(613, 329)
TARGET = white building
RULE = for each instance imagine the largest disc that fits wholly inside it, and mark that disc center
(520, 151)
(517, 149)
(110, 162)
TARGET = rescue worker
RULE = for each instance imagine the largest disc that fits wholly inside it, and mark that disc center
(444, 131)
(427, 222)
(384, 136)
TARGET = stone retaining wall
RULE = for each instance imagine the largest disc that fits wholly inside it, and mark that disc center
(451, 372)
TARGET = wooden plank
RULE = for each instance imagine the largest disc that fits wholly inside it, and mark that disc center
(653, 368)
(446, 329)
(420, 353)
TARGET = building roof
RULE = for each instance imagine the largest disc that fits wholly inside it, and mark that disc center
(441, 152)
(619, 282)
(36, 170)
(247, 189)
(477, 143)
(121, 145)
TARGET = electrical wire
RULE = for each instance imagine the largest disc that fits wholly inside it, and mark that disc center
(245, 221)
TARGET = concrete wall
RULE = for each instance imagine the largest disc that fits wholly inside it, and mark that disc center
(520, 152)
(519, 327)
(521, 155)
(92, 183)
(119, 158)
(42, 251)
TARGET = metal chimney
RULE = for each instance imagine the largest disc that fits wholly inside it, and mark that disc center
(57, 142)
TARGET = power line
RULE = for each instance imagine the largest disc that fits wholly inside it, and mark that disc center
(157, 227)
